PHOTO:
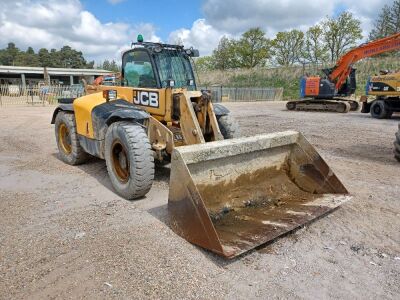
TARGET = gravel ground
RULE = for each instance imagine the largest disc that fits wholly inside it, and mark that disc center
(65, 234)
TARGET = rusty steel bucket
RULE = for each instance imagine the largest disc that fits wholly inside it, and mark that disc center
(233, 195)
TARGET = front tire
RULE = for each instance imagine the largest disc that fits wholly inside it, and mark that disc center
(129, 159)
(69, 148)
(229, 127)
(379, 110)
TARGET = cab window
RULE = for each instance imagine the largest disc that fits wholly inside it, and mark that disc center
(138, 70)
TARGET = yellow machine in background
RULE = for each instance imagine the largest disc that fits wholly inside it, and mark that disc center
(227, 194)
(386, 89)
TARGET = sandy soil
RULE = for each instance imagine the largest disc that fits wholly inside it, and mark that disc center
(65, 234)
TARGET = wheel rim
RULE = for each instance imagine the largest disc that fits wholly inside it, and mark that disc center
(377, 109)
(64, 138)
(120, 161)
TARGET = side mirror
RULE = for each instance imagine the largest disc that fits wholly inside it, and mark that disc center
(195, 53)
(192, 52)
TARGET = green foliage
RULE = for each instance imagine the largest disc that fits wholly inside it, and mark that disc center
(224, 56)
(341, 34)
(289, 77)
(328, 40)
(315, 50)
(110, 66)
(252, 49)
(287, 47)
(28, 58)
(290, 86)
(388, 21)
(381, 25)
(204, 63)
(66, 57)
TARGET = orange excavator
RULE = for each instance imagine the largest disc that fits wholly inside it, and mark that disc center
(324, 93)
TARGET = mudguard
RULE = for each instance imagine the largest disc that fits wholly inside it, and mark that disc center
(61, 107)
(220, 110)
(106, 113)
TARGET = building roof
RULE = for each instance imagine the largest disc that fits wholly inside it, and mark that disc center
(52, 71)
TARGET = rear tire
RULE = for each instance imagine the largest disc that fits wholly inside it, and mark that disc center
(396, 149)
(379, 110)
(229, 127)
(129, 159)
(69, 148)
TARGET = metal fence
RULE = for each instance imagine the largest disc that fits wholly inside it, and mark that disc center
(232, 94)
(11, 95)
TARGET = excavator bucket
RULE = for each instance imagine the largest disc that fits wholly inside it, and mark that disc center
(233, 195)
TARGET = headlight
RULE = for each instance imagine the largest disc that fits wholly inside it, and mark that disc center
(110, 95)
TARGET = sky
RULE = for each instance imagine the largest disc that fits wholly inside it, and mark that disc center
(102, 29)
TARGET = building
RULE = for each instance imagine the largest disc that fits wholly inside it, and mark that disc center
(59, 76)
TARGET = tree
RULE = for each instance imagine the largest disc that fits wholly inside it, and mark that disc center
(287, 47)
(28, 58)
(9, 55)
(106, 65)
(71, 58)
(395, 17)
(315, 50)
(110, 66)
(224, 55)
(381, 25)
(45, 58)
(253, 48)
(387, 23)
(90, 64)
(114, 67)
(341, 34)
(205, 63)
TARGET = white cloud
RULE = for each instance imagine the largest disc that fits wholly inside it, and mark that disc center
(233, 17)
(237, 15)
(53, 24)
(367, 12)
(201, 36)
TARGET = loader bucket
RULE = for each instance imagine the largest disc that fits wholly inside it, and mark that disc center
(233, 195)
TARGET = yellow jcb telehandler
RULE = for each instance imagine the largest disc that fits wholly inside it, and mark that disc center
(226, 194)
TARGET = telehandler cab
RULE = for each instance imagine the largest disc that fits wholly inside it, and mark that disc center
(226, 194)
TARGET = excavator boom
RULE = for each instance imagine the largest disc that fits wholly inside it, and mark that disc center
(344, 65)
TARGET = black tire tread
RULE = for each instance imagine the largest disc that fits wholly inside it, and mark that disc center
(386, 114)
(142, 160)
(396, 149)
(229, 127)
(78, 155)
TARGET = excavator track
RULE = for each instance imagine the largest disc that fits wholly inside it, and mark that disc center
(354, 105)
(340, 106)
